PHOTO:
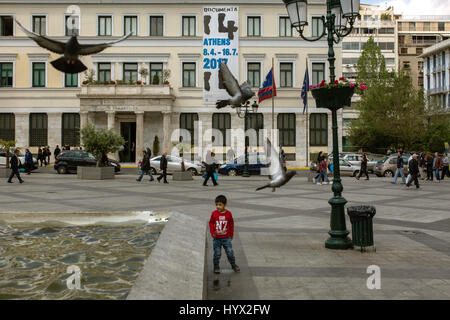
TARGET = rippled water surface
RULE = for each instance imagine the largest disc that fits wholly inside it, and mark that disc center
(34, 259)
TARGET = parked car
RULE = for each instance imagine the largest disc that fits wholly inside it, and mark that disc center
(346, 168)
(174, 164)
(21, 158)
(256, 161)
(355, 159)
(388, 166)
(68, 161)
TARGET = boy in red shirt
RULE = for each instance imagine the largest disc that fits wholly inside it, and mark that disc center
(221, 226)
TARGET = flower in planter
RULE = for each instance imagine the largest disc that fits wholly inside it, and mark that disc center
(342, 82)
(138, 82)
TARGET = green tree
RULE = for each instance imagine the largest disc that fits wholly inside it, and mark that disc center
(100, 143)
(371, 65)
(392, 114)
(156, 146)
(7, 145)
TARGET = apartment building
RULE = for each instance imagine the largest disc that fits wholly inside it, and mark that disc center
(437, 74)
(41, 106)
(415, 34)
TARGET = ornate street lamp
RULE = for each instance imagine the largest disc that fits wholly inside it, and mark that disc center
(243, 114)
(338, 23)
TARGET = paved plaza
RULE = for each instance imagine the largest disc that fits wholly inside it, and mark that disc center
(279, 239)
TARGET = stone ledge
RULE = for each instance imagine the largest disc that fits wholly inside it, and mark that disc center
(175, 269)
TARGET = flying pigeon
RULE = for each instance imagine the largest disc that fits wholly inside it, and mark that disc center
(277, 175)
(239, 94)
(69, 63)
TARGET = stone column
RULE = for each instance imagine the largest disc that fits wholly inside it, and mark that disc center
(54, 129)
(22, 122)
(111, 119)
(91, 118)
(166, 132)
(83, 119)
(139, 133)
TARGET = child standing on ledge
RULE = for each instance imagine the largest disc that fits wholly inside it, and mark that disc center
(221, 226)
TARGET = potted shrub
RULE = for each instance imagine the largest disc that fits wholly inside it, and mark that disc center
(138, 82)
(6, 146)
(335, 95)
(182, 175)
(89, 77)
(144, 73)
(99, 143)
(166, 76)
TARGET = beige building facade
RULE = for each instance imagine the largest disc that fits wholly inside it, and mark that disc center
(42, 106)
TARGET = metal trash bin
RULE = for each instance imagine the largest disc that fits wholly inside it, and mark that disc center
(361, 218)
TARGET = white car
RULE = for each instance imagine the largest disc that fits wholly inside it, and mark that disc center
(21, 159)
(355, 159)
(174, 164)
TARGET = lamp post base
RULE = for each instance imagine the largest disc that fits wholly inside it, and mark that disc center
(339, 239)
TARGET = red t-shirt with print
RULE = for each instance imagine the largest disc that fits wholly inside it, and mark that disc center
(221, 225)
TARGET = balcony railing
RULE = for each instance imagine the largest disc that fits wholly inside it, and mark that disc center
(126, 90)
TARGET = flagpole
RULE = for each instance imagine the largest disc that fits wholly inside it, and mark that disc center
(307, 121)
(273, 102)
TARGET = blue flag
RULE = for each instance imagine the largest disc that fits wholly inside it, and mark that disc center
(305, 90)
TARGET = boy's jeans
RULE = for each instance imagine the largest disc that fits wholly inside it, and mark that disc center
(149, 172)
(226, 243)
(324, 176)
(437, 174)
(402, 173)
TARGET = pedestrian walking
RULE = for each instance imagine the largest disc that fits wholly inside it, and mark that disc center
(28, 161)
(408, 178)
(48, 153)
(323, 166)
(437, 165)
(40, 155)
(210, 164)
(163, 167)
(319, 159)
(145, 167)
(15, 163)
(429, 166)
(413, 171)
(231, 155)
(221, 226)
(421, 162)
(57, 151)
(399, 168)
(445, 171)
(363, 167)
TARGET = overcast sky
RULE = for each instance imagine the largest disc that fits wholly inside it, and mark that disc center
(416, 7)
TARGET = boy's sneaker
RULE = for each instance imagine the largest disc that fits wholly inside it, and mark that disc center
(318, 183)
(236, 268)
(314, 180)
(216, 268)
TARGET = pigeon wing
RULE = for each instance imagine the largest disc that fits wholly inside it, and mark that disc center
(44, 42)
(275, 168)
(88, 49)
(229, 81)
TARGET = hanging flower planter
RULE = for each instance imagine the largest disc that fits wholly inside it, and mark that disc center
(335, 95)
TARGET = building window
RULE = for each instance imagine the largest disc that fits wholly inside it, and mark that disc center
(286, 72)
(71, 80)
(104, 72)
(7, 126)
(317, 27)
(419, 50)
(130, 25)
(38, 129)
(254, 74)
(156, 26)
(404, 50)
(319, 129)
(222, 122)
(318, 73)
(187, 122)
(254, 121)
(38, 74)
(189, 79)
(104, 25)
(130, 72)
(428, 65)
(286, 127)
(189, 26)
(412, 26)
(70, 129)
(350, 45)
(254, 26)
(39, 25)
(156, 73)
(6, 26)
(426, 26)
(72, 25)
(6, 74)
(400, 26)
(285, 27)
(386, 31)
(441, 26)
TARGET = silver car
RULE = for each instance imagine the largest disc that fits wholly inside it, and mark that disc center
(174, 164)
(21, 159)
(355, 159)
(346, 168)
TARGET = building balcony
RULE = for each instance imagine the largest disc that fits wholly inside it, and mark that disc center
(437, 90)
(126, 90)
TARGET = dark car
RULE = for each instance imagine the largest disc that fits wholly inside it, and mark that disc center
(68, 161)
(256, 161)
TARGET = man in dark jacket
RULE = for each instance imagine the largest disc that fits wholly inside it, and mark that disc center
(145, 167)
(56, 151)
(40, 156)
(399, 168)
(163, 167)
(414, 171)
(15, 167)
(421, 161)
(28, 161)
